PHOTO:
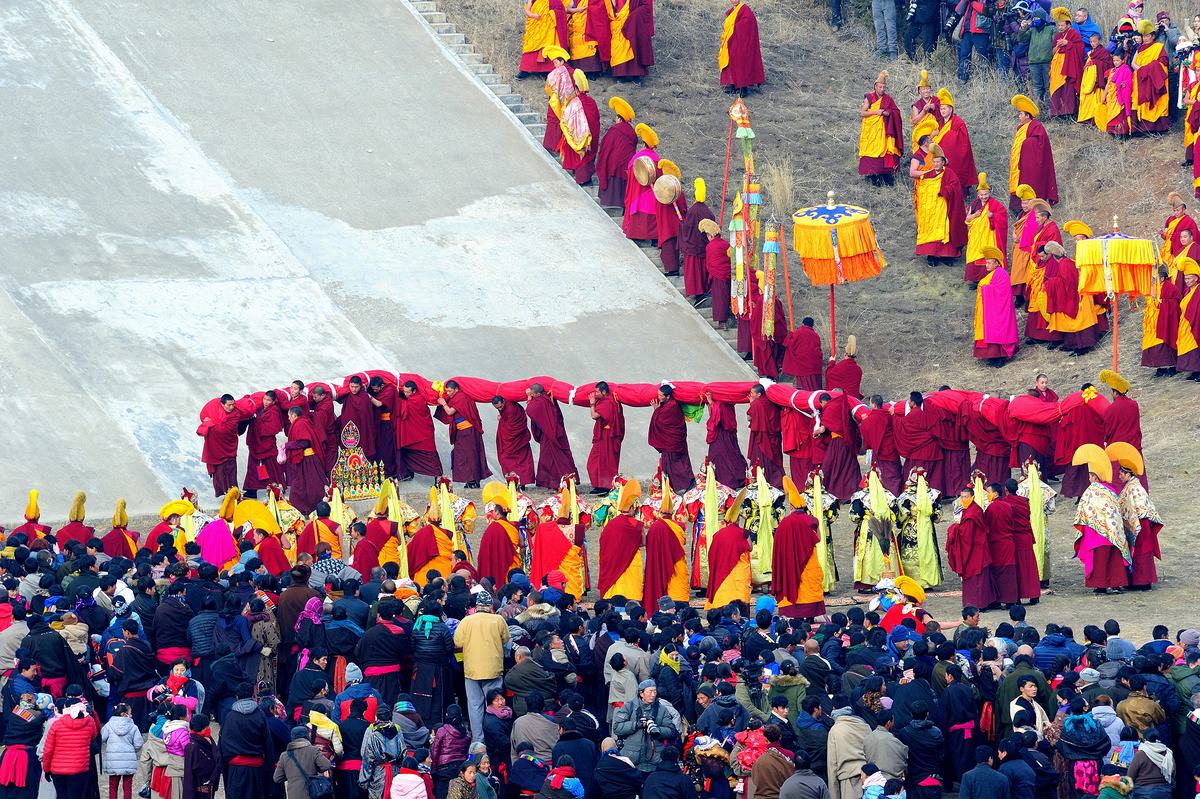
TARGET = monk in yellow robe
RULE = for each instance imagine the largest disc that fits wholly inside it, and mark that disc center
(621, 548)
(729, 574)
(797, 577)
(501, 547)
(1151, 91)
(1091, 86)
(1186, 348)
(119, 541)
(925, 115)
(558, 545)
(666, 559)
(545, 27)
(587, 22)
(320, 529)
(431, 547)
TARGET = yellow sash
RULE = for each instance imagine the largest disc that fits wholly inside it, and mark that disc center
(678, 587)
(726, 33)
(933, 224)
(872, 136)
(581, 46)
(1148, 59)
(1089, 95)
(1057, 78)
(1186, 342)
(621, 49)
(979, 305)
(1150, 323)
(980, 234)
(736, 585)
(1014, 159)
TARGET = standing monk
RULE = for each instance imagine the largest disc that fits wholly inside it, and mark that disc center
(32, 528)
(839, 440)
(1028, 580)
(668, 435)
(1031, 161)
(588, 35)
(555, 460)
(1101, 544)
(1022, 234)
(119, 541)
(881, 133)
(75, 530)
(729, 560)
(325, 424)
(666, 559)
(925, 114)
(500, 547)
(1066, 65)
(385, 398)
(955, 141)
(1160, 325)
(987, 226)
(220, 444)
(803, 357)
(631, 27)
(797, 576)
(357, 408)
(1036, 440)
(321, 530)
(430, 548)
(559, 544)
(724, 453)
(846, 374)
(468, 461)
(1175, 225)
(941, 219)
(512, 441)
(968, 554)
(1123, 419)
(1141, 517)
(1151, 74)
(1072, 313)
(992, 449)
(306, 474)
(668, 214)
(1186, 347)
(616, 149)
(1091, 86)
(545, 27)
(693, 242)
(416, 449)
(641, 206)
(878, 438)
(915, 440)
(262, 467)
(740, 57)
(995, 317)
(766, 437)
(716, 261)
(608, 431)
(579, 150)
(621, 548)
(1047, 249)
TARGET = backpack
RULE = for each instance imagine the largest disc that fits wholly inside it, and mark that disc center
(317, 786)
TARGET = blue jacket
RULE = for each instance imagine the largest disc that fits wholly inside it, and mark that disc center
(1048, 649)
(358, 690)
(984, 782)
(1085, 32)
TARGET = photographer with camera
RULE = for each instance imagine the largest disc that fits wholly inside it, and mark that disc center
(924, 19)
(1124, 39)
(973, 20)
(645, 727)
(1017, 31)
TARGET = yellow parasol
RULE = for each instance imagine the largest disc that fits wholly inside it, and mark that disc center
(1116, 264)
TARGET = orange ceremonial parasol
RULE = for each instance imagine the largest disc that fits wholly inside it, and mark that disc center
(1116, 264)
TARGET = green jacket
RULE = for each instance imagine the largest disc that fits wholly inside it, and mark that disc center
(1041, 45)
(760, 711)
(793, 687)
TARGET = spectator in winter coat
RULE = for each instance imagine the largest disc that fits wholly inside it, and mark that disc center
(1104, 713)
(667, 780)
(984, 782)
(298, 762)
(1052, 646)
(812, 730)
(781, 717)
(535, 728)
(926, 753)
(66, 750)
(643, 726)
(451, 742)
(526, 677)
(884, 749)
(805, 783)
(120, 742)
(1020, 775)
(616, 775)
(581, 751)
(1138, 710)
(844, 753)
(707, 723)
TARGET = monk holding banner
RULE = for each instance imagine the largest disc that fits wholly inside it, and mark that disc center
(881, 133)
(740, 56)
(666, 561)
(1031, 161)
(996, 338)
(797, 577)
(621, 541)
(729, 560)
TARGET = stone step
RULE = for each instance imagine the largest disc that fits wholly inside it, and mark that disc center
(491, 79)
(442, 28)
(481, 69)
(453, 38)
(434, 17)
(460, 49)
(528, 118)
(676, 281)
(537, 131)
(422, 6)
(470, 57)
(499, 88)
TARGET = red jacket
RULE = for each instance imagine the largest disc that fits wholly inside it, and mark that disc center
(68, 745)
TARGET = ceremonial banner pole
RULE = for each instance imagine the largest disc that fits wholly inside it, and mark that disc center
(725, 181)
(832, 323)
(787, 281)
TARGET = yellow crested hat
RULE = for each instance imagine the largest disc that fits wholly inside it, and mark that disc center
(1076, 228)
(176, 507)
(851, 345)
(794, 495)
(669, 167)
(1127, 455)
(257, 514)
(983, 184)
(936, 151)
(381, 502)
(646, 134)
(735, 508)
(1145, 27)
(32, 511)
(910, 588)
(699, 190)
(992, 252)
(120, 517)
(621, 107)
(709, 226)
(1095, 459)
(668, 499)
(1025, 192)
(433, 511)
(883, 77)
(1023, 103)
(1114, 381)
(628, 496)
(229, 504)
(75, 514)
(924, 81)
(581, 81)
(945, 97)
(1060, 14)
(496, 493)
(553, 51)
(1187, 266)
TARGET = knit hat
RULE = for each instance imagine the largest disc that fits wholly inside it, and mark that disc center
(1190, 637)
(299, 732)
(1089, 676)
(644, 684)
(353, 673)
(483, 599)
(665, 603)
(708, 690)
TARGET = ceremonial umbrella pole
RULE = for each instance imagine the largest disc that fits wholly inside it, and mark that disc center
(836, 245)
(739, 121)
(1112, 265)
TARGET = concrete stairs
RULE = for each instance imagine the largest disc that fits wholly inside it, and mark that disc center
(534, 121)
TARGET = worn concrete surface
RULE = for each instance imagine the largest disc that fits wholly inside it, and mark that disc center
(222, 196)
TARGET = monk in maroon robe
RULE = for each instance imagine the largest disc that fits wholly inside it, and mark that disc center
(620, 542)
(845, 374)
(795, 543)
(693, 243)
(716, 261)
(915, 439)
(663, 551)
(364, 556)
(583, 165)
(263, 467)
(1029, 585)
(740, 56)
(384, 399)
(468, 461)
(608, 431)
(306, 473)
(668, 435)
(326, 425)
(1153, 80)
(798, 443)
(1068, 42)
(950, 430)
(512, 441)
(724, 453)
(220, 445)
(1035, 163)
(294, 395)
(766, 350)
(765, 450)
(357, 408)
(555, 460)
(969, 556)
(1123, 421)
(416, 448)
(840, 440)
(803, 357)
(271, 553)
(1001, 548)
(668, 218)
(638, 30)
(1163, 356)
(616, 150)
(877, 436)
(1063, 297)
(1036, 440)
(1082, 423)
(120, 542)
(993, 452)
(379, 531)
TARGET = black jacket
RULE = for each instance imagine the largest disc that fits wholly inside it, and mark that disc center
(145, 606)
(984, 782)
(616, 779)
(171, 624)
(1020, 777)
(437, 647)
(908, 694)
(584, 753)
(137, 667)
(497, 734)
(305, 685)
(926, 748)
(707, 723)
(668, 782)
(245, 732)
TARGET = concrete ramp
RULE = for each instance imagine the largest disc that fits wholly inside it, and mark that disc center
(216, 196)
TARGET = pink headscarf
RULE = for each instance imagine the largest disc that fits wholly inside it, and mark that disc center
(216, 543)
(312, 612)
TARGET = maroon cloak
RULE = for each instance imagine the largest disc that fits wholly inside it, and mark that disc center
(766, 439)
(1002, 550)
(496, 553)
(766, 352)
(219, 453)
(960, 157)
(468, 462)
(950, 430)
(306, 472)
(608, 431)
(745, 54)
(1062, 296)
(307, 540)
(1151, 85)
(951, 191)
(1162, 356)
(803, 357)
(1035, 164)
(620, 541)
(729, 466)
(416, 447)
(555, 460)
(423, 547)
(1081, 423)
(993, 451)
(114, 543)
(357, 408)
(693, 243)
(1029, 586)
(877, 436)
(262, 467)
(1123, 422)
(841, 441)
(326, 425)
(716, 261)
(724, 551)
(612, 159)
(668, 435)
(1065, 101)
(893, 128)
(386, 413)
(365, 557)
(639, 30)
(968, 555)
(512, 443)
(846, 375)
(795, 542)
(668, 219)
(583, 165)
(270, 552)
(915, 441)
(663, 551)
